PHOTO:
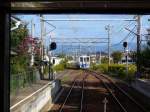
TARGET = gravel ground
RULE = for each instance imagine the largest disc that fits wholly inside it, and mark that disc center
(94, 94)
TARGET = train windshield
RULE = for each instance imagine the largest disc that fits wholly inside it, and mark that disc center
(87, 59)
(81, 59)
(84, 59)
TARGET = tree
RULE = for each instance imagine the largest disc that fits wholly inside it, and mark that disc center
(117, 55)
(69, 57)
(133, 55)
(104, 60)
(18, 35)
(62, 55)
(145, 57)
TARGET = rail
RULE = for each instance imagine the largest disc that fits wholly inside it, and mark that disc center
(113, 95)
(121, 90)
(70, 91)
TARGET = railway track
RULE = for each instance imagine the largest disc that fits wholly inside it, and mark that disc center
(123, 99)
(74, 98)
(87, 91)
(59, 76)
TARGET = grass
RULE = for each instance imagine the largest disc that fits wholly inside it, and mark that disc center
(65, 79)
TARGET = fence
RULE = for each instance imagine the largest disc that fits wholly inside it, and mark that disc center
(21, 80)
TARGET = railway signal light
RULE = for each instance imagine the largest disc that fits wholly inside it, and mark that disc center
(125, 44)
(53, 46)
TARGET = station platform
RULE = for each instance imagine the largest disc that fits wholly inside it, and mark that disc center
(143, 86)
(34, 98)
(24, 92)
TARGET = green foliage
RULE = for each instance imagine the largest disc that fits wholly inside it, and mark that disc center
(104, 60)
(37, 60)
(18, 35)
(61, 66)
(117, 55)
(61, 55)
(19, 64)
(21, 80)
(120, 70)
(101, 67)
(132, 55)
(145, 61)
(115, 69)
(69, 58)
(46, 70)
(93, 66)
(131, 71)
(145, 54)
(64, 79)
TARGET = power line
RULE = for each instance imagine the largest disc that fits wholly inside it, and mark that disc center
(127, 36)
(89, 19)
(123, 27)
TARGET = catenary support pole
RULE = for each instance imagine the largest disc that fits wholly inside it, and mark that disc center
(138, 43)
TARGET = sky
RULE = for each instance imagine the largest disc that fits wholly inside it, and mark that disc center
(87, 29)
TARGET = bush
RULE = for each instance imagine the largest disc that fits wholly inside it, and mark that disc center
(46, 70)
(19, 64)
(93, 66)
(21, 80)
(120, 70)
(59, 67)
(117, 69)
(101, 67)
(131, 71)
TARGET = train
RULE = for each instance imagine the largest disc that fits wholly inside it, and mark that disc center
(83, 62)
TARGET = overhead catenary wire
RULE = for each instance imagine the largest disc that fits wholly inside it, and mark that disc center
(123, 27)
(54, 27)
(125, 38)
(89, 19)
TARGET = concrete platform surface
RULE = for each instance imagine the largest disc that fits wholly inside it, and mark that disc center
(24, 92)
(143, 86)
(40, 95)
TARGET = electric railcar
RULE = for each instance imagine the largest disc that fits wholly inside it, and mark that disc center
(84, 61)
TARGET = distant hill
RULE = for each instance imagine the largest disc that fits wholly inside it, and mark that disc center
(70, 49)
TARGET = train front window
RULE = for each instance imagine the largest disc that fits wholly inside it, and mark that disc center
(53, 61)
(84, 59)
(87, 59)
(81, 59)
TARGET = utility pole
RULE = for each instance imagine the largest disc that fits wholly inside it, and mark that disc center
(138, 43)
(62, 49)
(31, 27)
(50, 55)
(100, 58)
(79, 49)
(126, 51)
(42, 27)
(32, 47)
(108, 28)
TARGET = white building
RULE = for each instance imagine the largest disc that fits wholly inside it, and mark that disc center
(56, 60)
(123, 60)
